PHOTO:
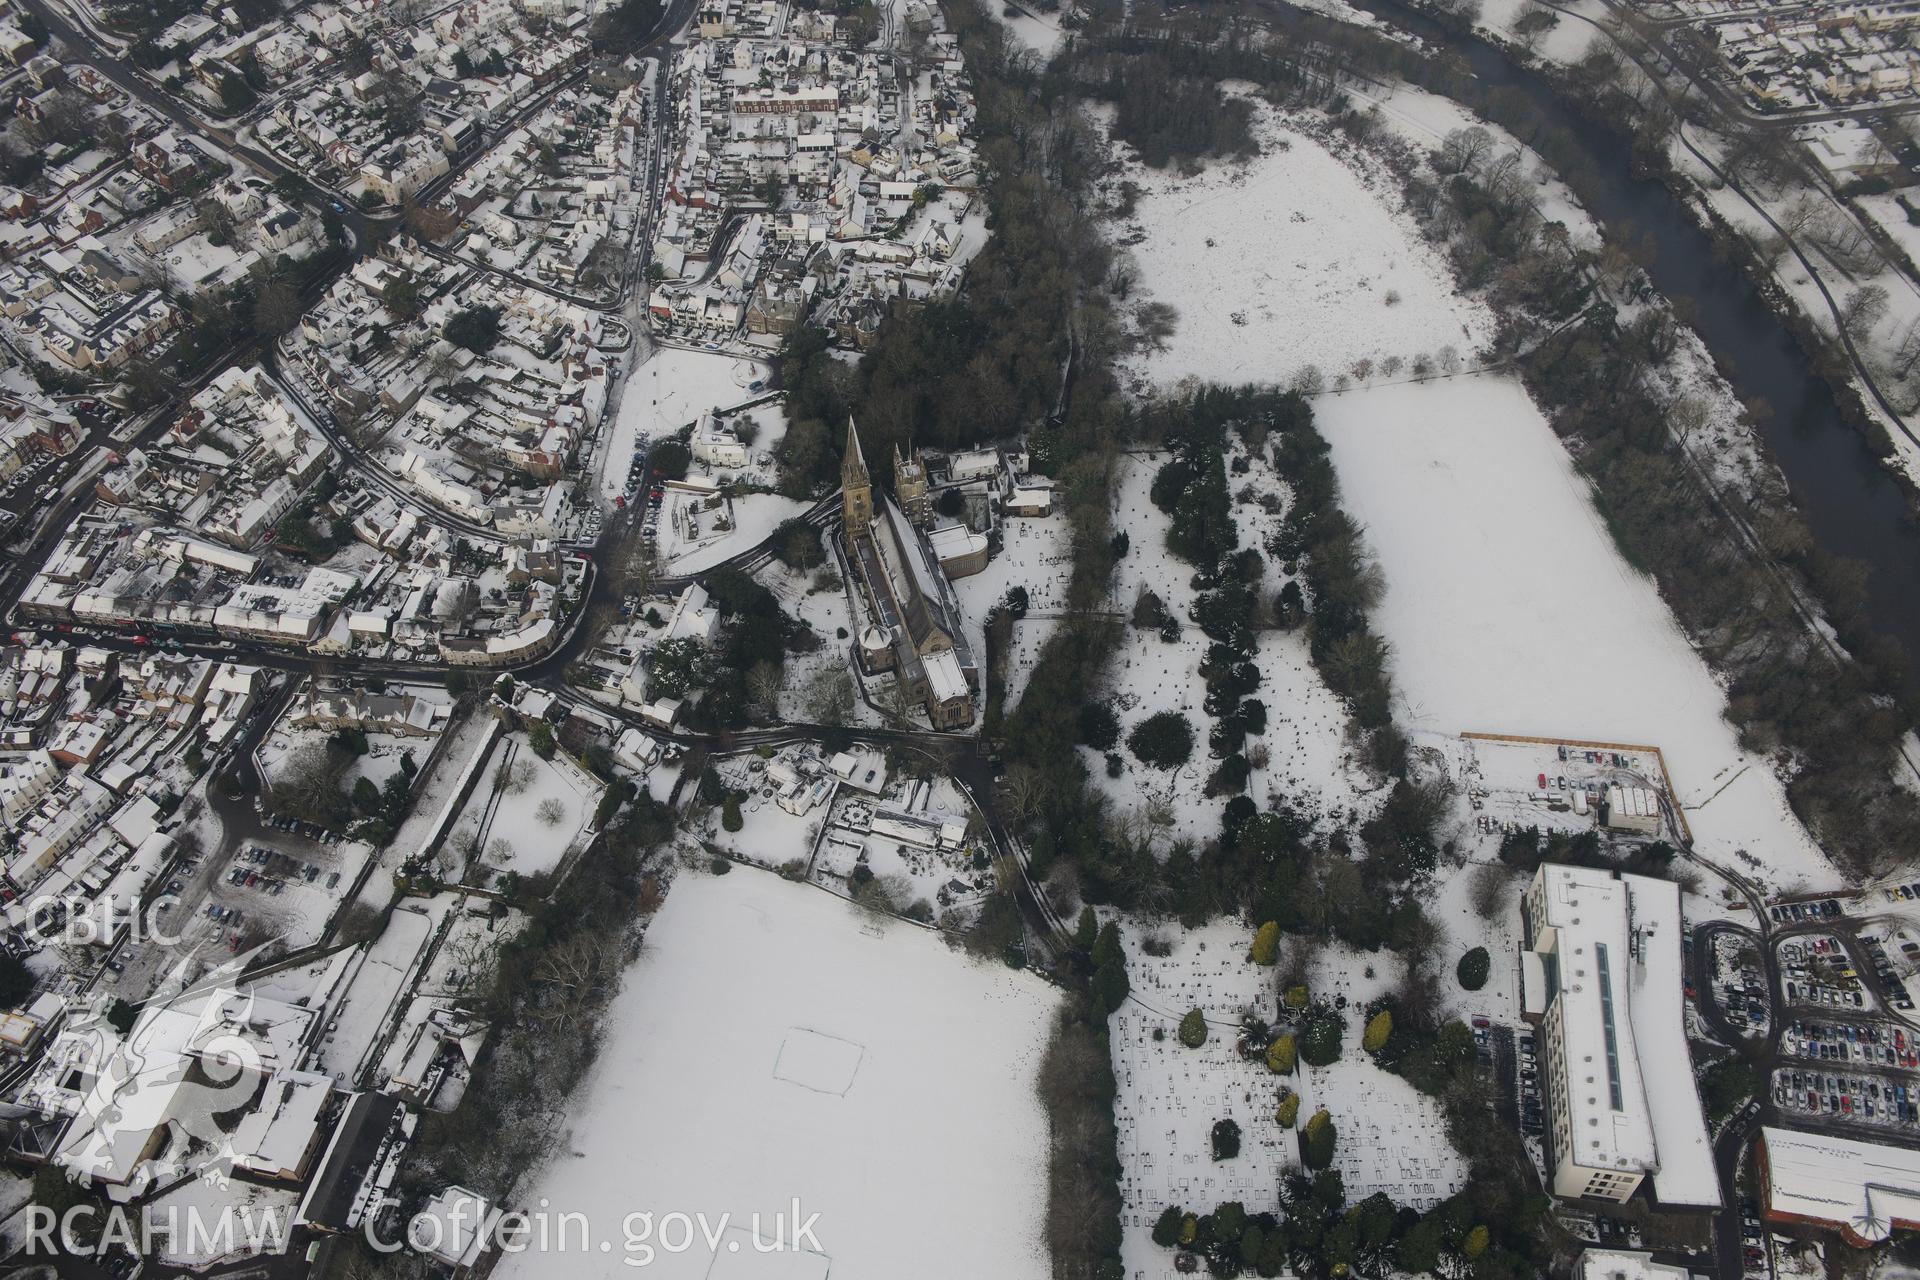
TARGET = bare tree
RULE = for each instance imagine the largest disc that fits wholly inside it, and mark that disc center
(307, 786)
(1157, 321)
(1908, 354)
(1862, 310)
(830, 696)
(1462, 150)
(1487, 888)
(763, 685)
(550, 811)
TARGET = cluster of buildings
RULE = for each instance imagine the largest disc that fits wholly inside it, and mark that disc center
(233, 464)
(107, 157)
(1603, 977)
(214, 242)
(93, 749)
(479, 435)
(92, 272)
(435, 599)
(1824, 57)
(83, 311)
(389, 124)
(810, 177)
(558, 199)
(32, 423)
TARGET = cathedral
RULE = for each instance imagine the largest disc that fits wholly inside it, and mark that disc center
(916, 628)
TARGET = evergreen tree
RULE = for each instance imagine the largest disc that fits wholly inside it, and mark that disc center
(1193, 1029)
(1379, 1027)
(1086, 930)
(1266, 944)
(1320, 1137)
(1419, 1249)
(1473, 969)
(1282, 1057)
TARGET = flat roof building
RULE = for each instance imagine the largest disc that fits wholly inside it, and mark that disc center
(1863, 1190)
(1601, 976)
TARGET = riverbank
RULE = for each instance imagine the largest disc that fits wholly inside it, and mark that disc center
(1741, 224)
(1854, 507)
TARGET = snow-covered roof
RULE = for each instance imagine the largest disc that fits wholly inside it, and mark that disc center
(1615, 943)
(277, 1137)
(1625, 1264)
(1863, 1187)
(944, 676)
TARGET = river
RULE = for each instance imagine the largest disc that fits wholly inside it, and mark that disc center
(1851, 503)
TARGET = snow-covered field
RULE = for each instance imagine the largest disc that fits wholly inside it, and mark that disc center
(1510, 610)
(1288, 259)
(1566, 42)
(773, 1043)
(674, 387)
(1040, 32)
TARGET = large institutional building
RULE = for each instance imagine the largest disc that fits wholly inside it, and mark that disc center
(1864, 1190)
(916, 628)
(1601, 977)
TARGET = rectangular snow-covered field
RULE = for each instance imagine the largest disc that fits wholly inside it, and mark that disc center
(1510, 610)
(1287, 259)
(774, 1043)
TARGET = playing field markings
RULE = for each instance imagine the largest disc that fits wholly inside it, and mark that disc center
(738, 1259)
(817, 1061)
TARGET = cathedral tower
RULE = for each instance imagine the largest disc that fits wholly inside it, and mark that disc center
(856, 487)
(910, 486)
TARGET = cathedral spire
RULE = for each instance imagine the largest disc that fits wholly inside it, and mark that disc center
(853, 467)
(856, 487)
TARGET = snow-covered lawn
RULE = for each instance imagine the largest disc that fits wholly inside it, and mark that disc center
(1285, 260)
(774, 1043)
(1036, 554)
(673, 388)
(1510, 610)
(717, 533)
(526, 813)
